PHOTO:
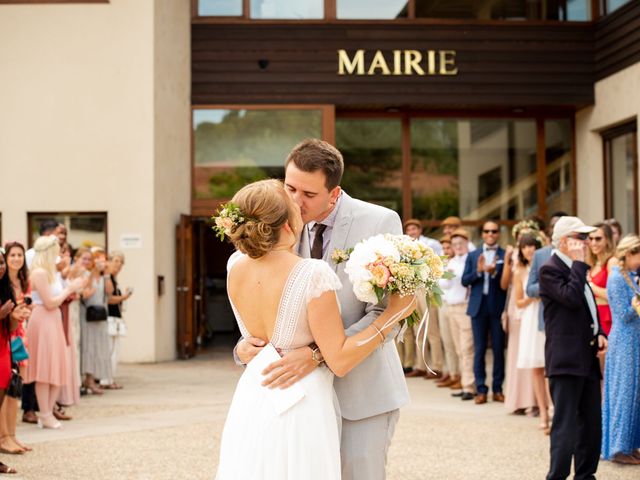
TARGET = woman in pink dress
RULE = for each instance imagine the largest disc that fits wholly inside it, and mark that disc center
(47, 344)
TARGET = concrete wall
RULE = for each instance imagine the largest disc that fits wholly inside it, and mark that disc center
(89, 123)
(617, 101)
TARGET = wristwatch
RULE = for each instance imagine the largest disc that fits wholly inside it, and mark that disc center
(316, 354)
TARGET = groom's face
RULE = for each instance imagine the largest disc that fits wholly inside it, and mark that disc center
(309, 191)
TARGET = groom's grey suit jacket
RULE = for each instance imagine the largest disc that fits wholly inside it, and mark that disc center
(377, 385)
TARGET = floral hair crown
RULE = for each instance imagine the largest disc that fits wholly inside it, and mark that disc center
(227, 219)
(524, 226)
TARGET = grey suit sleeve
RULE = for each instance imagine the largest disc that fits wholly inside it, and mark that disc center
(390, 223)
(533, 284)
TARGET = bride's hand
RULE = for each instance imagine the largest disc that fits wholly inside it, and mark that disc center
(406, 304)
(291, 368)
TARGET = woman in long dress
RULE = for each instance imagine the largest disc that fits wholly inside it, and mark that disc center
(621, 400)
(532, 337)
(291, 301)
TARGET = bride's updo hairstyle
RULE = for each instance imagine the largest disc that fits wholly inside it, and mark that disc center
(266, 207)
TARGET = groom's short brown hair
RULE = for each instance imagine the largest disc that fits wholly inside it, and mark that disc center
(312, 155)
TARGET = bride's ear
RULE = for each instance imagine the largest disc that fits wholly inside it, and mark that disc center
(287, 228)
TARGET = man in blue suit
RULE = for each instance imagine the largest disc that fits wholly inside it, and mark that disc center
(482, 273)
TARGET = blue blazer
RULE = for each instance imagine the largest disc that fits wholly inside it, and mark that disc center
(470, 278)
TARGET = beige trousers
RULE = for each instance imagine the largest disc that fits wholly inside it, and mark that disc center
(407, 350)
(452, 365)
(433, 350)
(462, 334)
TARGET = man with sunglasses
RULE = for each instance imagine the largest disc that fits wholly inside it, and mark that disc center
(574, 340)
(482, 272)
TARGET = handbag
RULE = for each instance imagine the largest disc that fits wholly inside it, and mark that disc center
(14, 389)
(96, 313)
(18, 350)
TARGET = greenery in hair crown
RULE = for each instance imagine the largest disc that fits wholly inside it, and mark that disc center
(227, 219)
(525, 226)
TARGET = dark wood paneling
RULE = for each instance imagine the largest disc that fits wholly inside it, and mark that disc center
(617, 39)
(499, 66)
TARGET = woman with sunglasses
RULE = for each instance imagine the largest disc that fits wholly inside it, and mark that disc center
(621, 399)
(601, 259)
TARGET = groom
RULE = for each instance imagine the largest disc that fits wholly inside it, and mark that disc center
(372, 393)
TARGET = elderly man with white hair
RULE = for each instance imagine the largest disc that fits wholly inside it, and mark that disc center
(574, 340)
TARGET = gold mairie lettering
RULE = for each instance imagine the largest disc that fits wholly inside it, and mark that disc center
(397, 62)
(346, 66)
(378, 62)
(431, 62)
(448, 59)
(412, 59)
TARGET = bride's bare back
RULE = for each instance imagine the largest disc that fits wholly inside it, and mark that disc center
(256, 287)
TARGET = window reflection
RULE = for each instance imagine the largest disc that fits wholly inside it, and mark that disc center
(236, 147)
(473, 169)
(573, 10)
(558, 158)
(287, 9)
(613, 5)
(83, 229)
(372, 9)
(220, 8)
(372, 151)
(622, 163)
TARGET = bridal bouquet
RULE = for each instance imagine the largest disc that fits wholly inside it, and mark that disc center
(388, 264)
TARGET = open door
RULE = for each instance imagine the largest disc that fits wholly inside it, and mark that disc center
(185, 300)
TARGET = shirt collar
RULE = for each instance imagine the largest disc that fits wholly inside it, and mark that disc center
(568, 262)
(331, 218)
(485, 247)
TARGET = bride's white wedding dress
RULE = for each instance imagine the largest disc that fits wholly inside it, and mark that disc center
(303, 442)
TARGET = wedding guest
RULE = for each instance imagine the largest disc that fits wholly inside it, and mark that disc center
(116, 325)
(482, 272)
(573, 341)
(600, 258)
(10, 315)
(621, 403)
(413, 228)
(530, 344)
(47, 347)
(47, 227)
(82, 263)
(450, 225)
(96, 355)
(455, 299)
(519, 394)
(445, 241)
(19, 280)
(616, 229)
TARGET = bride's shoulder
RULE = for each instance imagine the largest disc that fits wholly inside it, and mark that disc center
(233, 259)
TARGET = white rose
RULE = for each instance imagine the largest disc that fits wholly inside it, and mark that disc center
(364, 292)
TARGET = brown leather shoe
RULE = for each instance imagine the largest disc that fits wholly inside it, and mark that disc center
(61, 415)
(415, 373)
(30, 417)
(456, 385)
(625, 459)
(481, 398)
(445, 378)
(498, 397)
(446, 383)
(432, 376)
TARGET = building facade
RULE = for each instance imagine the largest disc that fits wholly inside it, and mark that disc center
(146, 115)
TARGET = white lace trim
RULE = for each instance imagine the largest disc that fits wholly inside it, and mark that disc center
(323, 279)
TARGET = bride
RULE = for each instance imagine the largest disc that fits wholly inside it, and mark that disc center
(292, 302)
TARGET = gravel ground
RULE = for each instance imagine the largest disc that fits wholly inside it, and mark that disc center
(166, 424)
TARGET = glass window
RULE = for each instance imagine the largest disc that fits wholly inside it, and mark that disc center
(83, 229)
(613, 5)
(575, 10)
(473, 169)
(220, 8)
(621, 164)
(559, 166)
(287, 9)
(236, 147)
(372, 151)
(372, 9)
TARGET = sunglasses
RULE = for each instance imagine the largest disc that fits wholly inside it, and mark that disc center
(579, 236)
(595, 239)
(490, 231)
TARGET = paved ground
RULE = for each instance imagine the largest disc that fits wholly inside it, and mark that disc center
(166, 424)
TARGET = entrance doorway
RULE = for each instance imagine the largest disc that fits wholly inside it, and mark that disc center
(204, 315)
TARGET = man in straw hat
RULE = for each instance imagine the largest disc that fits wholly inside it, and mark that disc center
(574, 339)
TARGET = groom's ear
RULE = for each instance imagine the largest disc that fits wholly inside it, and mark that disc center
(335, 193)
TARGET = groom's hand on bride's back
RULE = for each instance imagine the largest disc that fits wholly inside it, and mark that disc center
(248, 348)
(293, 367)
